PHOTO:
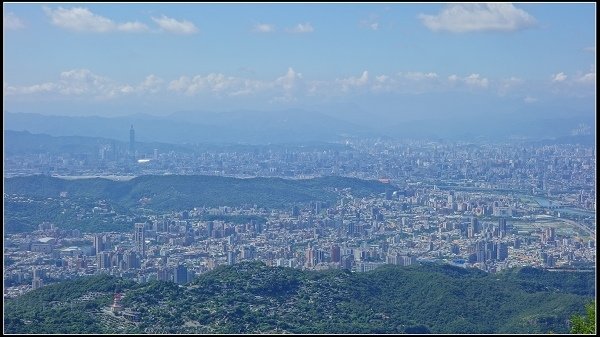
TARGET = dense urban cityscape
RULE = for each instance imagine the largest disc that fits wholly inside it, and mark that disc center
(490, 206)
(258, 168)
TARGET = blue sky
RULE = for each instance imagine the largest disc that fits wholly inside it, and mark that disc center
(115, 59)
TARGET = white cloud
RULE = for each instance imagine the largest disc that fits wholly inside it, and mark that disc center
(83, 20)
(32, 89)
(317, 87)
(372, 22)
(221, 85)
(218, 84)
(83, 81)
(173, 26)
(559, 77)
(264, 28)
(180, 84)
(79, 19)
(419, 76)
(461, 18)
(85, 84)
(369, 24)
(11, 22)
(473, 80)
(132, 27)
(248, 87)
(591, 49)
(287, 81)
(350, 82)
(589, 78)
(381, 78)
(530, 99)
(476, 80)
(151, 84)
(289, 86)
(384, 83)
(127, 89)
(302, 28)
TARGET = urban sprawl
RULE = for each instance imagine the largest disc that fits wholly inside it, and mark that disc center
(483, 205)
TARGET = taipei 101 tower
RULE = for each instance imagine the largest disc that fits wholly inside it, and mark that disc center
(132, 142)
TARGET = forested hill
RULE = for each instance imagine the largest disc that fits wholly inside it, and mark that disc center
(252, 298)
(177, 192)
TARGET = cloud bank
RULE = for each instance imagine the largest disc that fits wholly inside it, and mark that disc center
(464, 18)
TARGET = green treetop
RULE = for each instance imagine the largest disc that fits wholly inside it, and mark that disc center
(585, 324)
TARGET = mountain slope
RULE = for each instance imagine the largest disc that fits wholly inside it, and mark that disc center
(252, 298)
(160, 194)
(173, 192)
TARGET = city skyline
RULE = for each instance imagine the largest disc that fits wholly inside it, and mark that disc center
(115, 59)
(336, 168)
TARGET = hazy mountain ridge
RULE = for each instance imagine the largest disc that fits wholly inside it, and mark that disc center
(25, 142)
(297, 125)
(193, 127)
(186, 191)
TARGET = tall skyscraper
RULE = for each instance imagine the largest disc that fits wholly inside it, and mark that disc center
(103, 260)
(295, 211)
(210, 227)
(230, 258)
(475, 225)
(180, 275)
(502, 224)
(502, 251)
(37, 283)
(335, 253)
(98, 244)
(140, 239)
(132, 141)
(450, 198)
(310, 257)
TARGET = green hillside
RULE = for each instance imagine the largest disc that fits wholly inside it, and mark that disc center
(160, 194)
(177, 192)
(254, 298)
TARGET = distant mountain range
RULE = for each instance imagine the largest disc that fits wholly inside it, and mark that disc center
(251, 127)
(300, 126)
(25, 142)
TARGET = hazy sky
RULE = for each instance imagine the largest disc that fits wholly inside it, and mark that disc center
(112, 59)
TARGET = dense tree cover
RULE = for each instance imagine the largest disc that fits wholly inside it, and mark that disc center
(251, 297)
(532, 279)
(587, 323)
(56, 308)
(176, 192)
(159, 193)
(26, 216)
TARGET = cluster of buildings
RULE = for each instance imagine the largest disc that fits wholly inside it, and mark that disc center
(489, 231)
(489, 206)
(566, 171)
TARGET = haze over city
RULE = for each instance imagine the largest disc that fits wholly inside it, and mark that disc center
(299, 168)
